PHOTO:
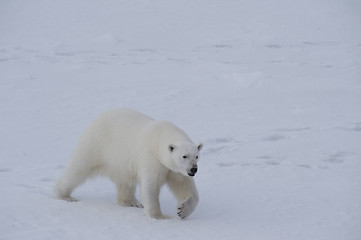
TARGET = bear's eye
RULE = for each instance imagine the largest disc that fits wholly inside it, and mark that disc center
(196, 157)
(184, 157)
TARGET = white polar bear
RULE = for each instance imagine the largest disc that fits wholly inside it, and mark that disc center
(131, 148)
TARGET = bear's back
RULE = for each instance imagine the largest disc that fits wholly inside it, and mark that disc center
(116, 127)
(122, 118)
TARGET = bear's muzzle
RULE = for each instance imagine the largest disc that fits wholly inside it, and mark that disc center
(193, 171)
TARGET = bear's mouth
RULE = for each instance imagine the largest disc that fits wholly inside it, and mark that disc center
(191, 174)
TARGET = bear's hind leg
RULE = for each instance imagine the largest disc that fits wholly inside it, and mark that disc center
(126, 196)
(64, 187)
(74, 175)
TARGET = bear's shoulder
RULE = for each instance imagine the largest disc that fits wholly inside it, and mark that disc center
(167, 131)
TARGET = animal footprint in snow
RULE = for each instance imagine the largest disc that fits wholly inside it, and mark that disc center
(338, 157)
(275, 137)
(357, 127)
(3, 170)
(221, 143)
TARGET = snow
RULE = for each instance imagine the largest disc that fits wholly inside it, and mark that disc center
(272, 88)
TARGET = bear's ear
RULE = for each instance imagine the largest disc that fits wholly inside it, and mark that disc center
(200, 146)
(171, 147)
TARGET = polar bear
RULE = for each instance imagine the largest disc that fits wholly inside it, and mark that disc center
(131, 148)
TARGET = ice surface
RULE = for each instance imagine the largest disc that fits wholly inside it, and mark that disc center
(272, 88)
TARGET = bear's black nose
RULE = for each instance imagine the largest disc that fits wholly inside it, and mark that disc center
(194, 170)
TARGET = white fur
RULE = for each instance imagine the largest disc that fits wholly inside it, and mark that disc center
(131, 148)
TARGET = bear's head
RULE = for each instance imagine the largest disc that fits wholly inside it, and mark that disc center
(184, 156)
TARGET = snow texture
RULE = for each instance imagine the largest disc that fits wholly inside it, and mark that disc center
(272, 88)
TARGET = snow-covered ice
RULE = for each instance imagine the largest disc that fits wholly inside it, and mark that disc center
(272, 88)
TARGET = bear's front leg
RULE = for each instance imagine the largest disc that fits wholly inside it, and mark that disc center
(184, 189)
(150, 198)
(187, 207)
